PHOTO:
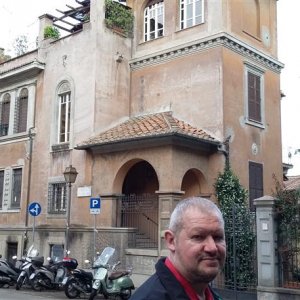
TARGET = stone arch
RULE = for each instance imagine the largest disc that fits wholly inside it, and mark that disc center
(194, 183)
(138, 205)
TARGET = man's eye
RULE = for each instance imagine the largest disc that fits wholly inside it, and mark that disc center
(219, 238)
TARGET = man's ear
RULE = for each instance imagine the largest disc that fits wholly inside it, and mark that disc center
(170, 240)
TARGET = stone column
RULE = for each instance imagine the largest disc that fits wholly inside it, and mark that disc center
(167, 202)
(267, 260)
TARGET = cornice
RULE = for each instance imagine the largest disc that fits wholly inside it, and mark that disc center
(218, 40)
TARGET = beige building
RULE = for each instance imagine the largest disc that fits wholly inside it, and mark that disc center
(146, 119)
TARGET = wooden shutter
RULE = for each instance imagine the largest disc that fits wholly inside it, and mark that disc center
(254, 99)
(16, 188)
(256, 187)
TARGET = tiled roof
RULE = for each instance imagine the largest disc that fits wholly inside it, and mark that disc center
(151, 125)
(293, 183)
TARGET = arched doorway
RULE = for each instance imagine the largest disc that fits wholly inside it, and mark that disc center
(139, 205)
(194, 184)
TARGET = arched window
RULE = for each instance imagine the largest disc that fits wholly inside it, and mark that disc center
(191, 13)
(5, 111)
(154, 20)
(21, 111)
(64, 112)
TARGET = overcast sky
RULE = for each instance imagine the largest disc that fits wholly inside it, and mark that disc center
(20, 17)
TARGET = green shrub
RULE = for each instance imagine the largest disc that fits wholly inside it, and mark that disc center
(51, 32)
(240, 237)
(118, 15)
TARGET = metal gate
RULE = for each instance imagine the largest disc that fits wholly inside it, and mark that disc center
(238, 279)
(141, 212)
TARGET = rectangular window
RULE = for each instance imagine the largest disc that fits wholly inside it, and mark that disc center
(256, 187)
(154, 20)
(254, 97)
(16, 188)
(57, 198)
(191, 13)
(1, 187)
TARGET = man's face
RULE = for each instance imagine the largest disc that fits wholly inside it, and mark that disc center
(199, 249)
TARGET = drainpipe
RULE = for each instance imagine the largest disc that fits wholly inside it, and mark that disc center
(30, 134)
(224, 148)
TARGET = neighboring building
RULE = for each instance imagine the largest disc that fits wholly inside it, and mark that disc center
(145, 120)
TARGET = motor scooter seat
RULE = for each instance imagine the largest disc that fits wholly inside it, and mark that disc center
(117, 274)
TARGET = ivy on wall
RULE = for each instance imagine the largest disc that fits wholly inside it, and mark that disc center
(288, 229)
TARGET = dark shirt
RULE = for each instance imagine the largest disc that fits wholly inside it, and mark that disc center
(163, 285)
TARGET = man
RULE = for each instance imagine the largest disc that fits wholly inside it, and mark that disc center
(197, 251)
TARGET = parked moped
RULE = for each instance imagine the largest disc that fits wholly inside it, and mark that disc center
(29, 264)
(54, 275)
(8, 272)
(109, 282)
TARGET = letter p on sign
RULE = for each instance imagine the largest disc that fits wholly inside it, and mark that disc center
(95, 206)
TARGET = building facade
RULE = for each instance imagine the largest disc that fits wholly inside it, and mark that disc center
(146, 119)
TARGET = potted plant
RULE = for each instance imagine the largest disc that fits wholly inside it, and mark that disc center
(118, 16)
(51, 32)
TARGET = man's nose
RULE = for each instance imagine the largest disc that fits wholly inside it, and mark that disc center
(210, 244)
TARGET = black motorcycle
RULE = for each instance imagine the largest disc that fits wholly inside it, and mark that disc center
(79, 282)
(8, 273)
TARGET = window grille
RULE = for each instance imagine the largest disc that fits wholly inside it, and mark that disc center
(16, 188)
(57, 198)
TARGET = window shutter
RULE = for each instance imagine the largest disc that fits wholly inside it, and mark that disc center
(16, 188)
(254, 100)
(256, 187)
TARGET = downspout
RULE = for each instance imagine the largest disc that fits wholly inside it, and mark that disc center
(224, 148)
(30, 135)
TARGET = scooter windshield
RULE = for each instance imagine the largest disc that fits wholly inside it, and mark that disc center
(103, 259)
(32, 251)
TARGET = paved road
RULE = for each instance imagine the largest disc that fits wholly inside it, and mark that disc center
(29, 294)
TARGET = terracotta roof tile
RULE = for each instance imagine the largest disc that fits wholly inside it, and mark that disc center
(150, 125)
(293, 183)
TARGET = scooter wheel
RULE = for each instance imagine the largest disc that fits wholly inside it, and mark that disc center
(19, 282)
(35, 284)
(126, 294)
(93, 294)
(70, 291)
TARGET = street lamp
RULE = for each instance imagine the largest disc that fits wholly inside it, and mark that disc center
(70, 175)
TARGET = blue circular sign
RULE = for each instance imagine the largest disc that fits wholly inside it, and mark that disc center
(34, 209)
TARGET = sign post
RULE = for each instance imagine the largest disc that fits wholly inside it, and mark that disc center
(34, 209)
(95, 207)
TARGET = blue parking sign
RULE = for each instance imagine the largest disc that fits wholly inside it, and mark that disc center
(95, 205)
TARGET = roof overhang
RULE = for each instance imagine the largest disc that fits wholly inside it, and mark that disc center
(171, 139)
(20, 73)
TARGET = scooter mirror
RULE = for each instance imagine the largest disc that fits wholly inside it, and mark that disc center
(14, 257)
(87, 261)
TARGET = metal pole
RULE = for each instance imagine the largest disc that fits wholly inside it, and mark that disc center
(33, 230)
(68, 219)
(94, 237)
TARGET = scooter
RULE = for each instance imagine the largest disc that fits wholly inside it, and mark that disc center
(29, 264)
(110, 283)
(79, 282)
(52, 276)
(8, 272)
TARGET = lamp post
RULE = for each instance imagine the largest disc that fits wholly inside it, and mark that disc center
(70, 175)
